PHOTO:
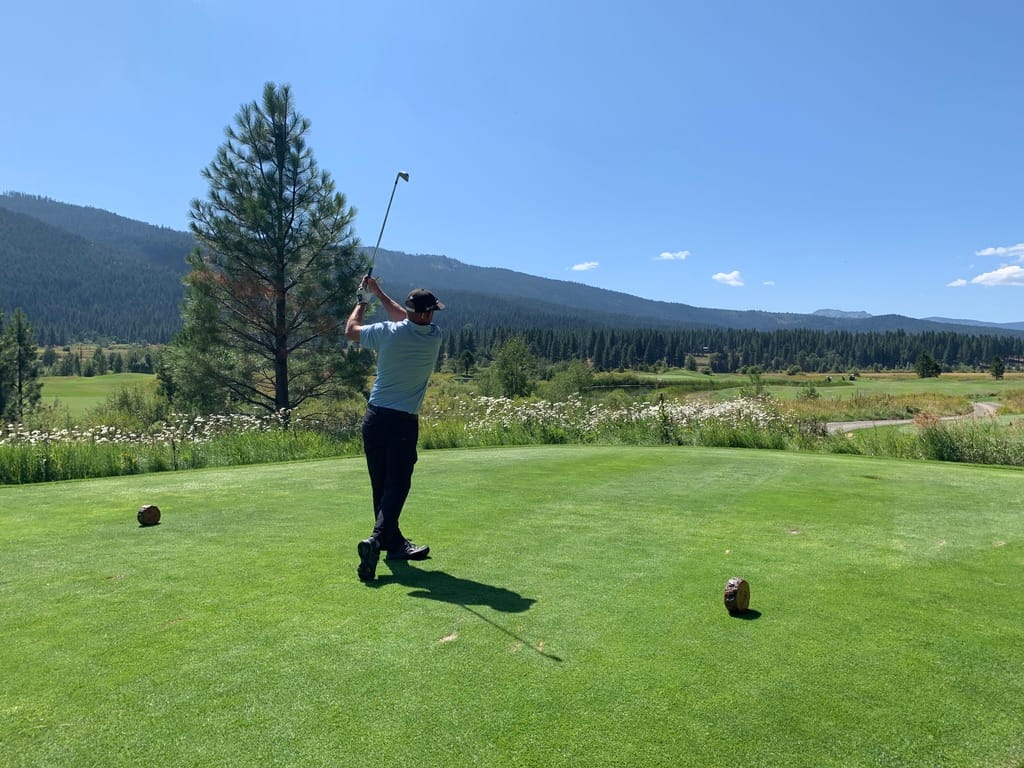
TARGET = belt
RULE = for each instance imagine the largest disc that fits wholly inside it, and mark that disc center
(379, 409)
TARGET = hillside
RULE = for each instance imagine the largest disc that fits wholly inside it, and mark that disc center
(82, 273)
(978, 323)
(515, 293)
(74, 289)
(134, 239)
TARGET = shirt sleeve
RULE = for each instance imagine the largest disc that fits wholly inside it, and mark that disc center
(369, 336)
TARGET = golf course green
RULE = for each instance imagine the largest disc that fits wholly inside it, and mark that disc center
(571, 614)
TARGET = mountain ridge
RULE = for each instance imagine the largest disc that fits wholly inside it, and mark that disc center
(142, 266)
(839, 313)
(980, 323)
(438, 271)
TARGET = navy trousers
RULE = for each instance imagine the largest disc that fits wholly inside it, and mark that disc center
(389, 442)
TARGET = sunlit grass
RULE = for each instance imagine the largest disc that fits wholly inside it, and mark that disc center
(79, 394)
(570, 614)
(878, 406)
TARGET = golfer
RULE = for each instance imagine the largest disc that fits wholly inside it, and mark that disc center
(407, 347)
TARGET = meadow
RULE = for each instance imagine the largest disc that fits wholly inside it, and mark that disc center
(570, 614)
(78, 395)
(838, 387)
(131, 431)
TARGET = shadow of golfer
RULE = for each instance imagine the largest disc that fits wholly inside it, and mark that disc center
(438, 585)
(441, 586)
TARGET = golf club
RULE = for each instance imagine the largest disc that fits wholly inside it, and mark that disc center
(373, 259)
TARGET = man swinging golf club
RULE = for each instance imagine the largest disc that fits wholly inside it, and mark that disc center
(407, 347)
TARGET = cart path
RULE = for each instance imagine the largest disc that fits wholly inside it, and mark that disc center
(981, 411)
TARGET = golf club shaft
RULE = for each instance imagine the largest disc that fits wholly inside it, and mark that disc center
(373, 258)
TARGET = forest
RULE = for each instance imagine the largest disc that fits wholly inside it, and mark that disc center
(724, 350)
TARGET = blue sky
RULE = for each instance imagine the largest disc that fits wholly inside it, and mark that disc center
(789, 156)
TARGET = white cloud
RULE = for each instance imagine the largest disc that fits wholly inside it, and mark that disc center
(1005, 275)
(1008, 272)
(1012, 251)
(728, 278)
(1010, 275)
(768, 282)
(677, 256)
(585, 266)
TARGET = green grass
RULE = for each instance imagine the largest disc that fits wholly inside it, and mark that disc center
(80, 394)
(973, 386)
(571, 615)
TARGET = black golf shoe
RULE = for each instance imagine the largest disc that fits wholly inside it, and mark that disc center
(408, 551)
(369, 554)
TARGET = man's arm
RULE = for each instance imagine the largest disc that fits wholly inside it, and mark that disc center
(354, 324)
(395, 311)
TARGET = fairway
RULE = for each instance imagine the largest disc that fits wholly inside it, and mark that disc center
(973, 386)
(80, 393)
(571, 614)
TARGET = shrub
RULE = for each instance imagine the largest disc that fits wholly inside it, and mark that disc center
(972, 441)
(132, 409)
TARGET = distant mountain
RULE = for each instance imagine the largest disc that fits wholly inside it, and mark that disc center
(840, 314)
(978, 324)
(74, 289)
(145, 242)
(586, 304)
(82, 273)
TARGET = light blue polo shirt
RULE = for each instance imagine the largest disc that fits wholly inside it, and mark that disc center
(406, 356)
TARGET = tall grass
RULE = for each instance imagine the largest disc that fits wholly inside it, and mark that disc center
(35, 456)
(968, 441)
(879, 406)
(1013, 400)
(972, 442)
(490, 421)
(139, 437)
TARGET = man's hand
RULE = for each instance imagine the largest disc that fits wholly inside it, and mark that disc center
(366, 291)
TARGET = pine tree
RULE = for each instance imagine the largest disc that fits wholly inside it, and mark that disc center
(273, 275)
(927, 367)
(20, 388)
(6, 366)
(998, 367)
(515, 367)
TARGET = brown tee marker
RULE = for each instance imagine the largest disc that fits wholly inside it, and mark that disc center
(737, 595)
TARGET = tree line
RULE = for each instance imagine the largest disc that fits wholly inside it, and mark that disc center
(98, 362)
(725, 350)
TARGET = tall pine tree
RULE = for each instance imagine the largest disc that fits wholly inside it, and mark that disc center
(20, 388)
(272, 278)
